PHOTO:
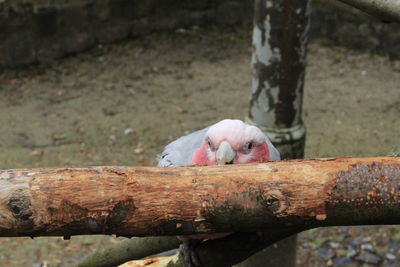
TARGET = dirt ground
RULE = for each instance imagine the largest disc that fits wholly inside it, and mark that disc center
(120, 104)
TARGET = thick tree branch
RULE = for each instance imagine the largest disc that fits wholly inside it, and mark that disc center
(387, 10)
(146, 201)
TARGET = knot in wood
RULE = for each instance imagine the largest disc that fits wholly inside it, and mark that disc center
(271, 200)
(274, 201)
(19, 205)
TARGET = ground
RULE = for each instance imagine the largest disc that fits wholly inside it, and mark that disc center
(120, 104)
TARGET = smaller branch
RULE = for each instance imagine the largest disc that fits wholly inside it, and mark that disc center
(129, 249)
(237, 247)
(218, 252)
(387, 10)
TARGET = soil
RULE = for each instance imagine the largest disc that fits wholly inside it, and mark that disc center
(120, 104)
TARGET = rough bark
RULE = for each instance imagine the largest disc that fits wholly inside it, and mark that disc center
(149, 201)
(387, 10)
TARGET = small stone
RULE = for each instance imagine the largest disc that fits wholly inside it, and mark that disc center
(394, 245)
(390, 256)
(341, 252)
(57, 137)
(180, 110)
(79, 256)
(356, 242)
(368, 247)
(305, 244)
(36, 153)
(180, 30)
(110, 111)
(364, 72)
(112, 137)
(318, 242)
(367, 239)
(368, 258)
(325, 254)
(129, 131)
(341, 261)
(139, 150)
(333, 244)
(351, 252)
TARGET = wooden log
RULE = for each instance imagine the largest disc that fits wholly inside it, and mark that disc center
(150, 201)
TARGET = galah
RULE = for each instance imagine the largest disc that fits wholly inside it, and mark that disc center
(226, 142)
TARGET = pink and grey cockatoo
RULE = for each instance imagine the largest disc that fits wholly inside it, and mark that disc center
(226, 142)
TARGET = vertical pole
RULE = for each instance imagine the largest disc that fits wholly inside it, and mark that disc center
(279, 51)
(280, 38)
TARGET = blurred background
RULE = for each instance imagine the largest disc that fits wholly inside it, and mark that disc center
(110, 82)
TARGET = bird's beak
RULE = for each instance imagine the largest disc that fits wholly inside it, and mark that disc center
(225, 154)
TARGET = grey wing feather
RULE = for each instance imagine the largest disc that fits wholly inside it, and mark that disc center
(180, 152)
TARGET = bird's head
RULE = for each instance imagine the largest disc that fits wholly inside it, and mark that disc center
(232, 142)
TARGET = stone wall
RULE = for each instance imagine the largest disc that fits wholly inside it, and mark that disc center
(44, 30)
(349, 27)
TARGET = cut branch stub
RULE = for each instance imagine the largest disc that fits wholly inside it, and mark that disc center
(19, 205)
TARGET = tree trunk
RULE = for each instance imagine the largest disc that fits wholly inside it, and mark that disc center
(149, 201)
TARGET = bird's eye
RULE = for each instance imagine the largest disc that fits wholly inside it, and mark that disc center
(250, 146)
(210, 144)
(247, 148)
